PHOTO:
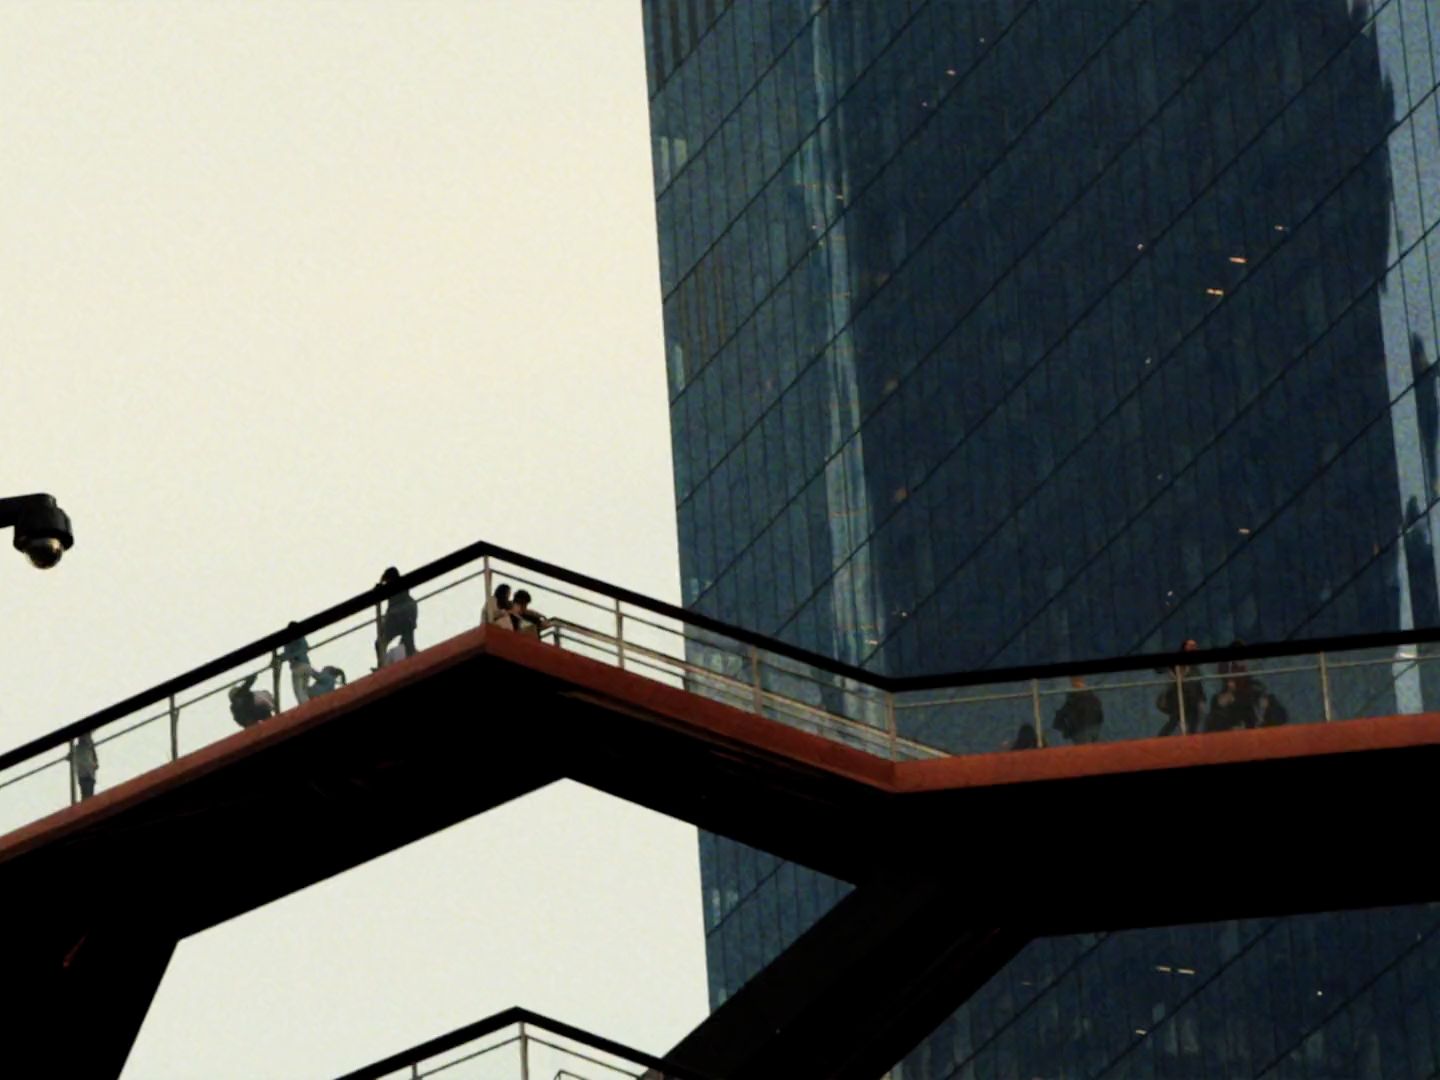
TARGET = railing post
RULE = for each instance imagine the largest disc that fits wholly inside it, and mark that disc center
(1326, 709)
(1180, 699)
(755, 680)
(1035, 709)
(489, 583)
(275, 666)
(620, 634)
(174, 729)
(74, 790)
(524, 1054)
(379, 636)
(890, 725)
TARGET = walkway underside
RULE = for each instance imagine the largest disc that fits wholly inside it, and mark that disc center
(966, 858)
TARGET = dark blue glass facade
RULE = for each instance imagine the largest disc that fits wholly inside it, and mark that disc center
(1002, 331)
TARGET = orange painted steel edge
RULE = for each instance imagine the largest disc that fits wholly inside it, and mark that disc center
(679, 708)
(745, 731)
(690, 712)
(1174, 752)
(243, 743)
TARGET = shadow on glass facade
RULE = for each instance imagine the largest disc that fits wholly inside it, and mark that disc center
(1010, 331)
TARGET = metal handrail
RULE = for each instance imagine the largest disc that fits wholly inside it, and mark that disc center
(1165, 680)
(484, 549)
(438, 1069)
(552, 591)
(61, 760)
(788, 673)
(538, 1041)
(524, 1018)
(133, 727)
(791, 673)
(743, 689)
(755, 653)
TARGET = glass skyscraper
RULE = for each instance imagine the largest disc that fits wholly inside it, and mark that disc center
(1011, 331)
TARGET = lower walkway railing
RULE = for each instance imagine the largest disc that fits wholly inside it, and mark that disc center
(520, 1045)
(902, 719)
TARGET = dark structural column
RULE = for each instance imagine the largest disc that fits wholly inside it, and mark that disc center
(857, 991)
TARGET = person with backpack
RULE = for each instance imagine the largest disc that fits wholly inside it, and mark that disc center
(401, 616)
(1080, 715)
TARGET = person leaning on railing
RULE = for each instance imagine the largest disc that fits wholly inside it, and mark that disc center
(528, 622)
(1237, 701)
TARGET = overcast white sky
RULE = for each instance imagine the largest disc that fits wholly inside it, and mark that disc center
(291, 291)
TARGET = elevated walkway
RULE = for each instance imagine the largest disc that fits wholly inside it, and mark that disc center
(958, 858)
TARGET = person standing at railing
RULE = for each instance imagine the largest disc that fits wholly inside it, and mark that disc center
(497, 609)
(1080, 714)
(1188, 690)
(86, 763)
(1234, 704)
(400, 620)
(297, 654)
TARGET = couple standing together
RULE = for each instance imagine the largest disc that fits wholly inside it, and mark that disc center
(513, 612)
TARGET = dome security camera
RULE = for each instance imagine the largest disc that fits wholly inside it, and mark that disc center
(43, 533)
(43, 551)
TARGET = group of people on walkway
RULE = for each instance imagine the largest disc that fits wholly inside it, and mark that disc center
(397, 624)
(249, 706)
(1240, 701)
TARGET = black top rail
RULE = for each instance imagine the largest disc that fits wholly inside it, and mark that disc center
(510, 1018)
(267, 645)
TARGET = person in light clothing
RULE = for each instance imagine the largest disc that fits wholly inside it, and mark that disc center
(297, 654)
(497, 609)
(86, 764)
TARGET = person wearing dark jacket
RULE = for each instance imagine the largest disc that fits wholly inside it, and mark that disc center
(245, 706)
(1080, 714)
(1186, 679)
(1234, 704)
(527, 621)
(401, 617)
(1025, 738)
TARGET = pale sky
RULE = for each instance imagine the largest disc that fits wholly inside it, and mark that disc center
(291, 291)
